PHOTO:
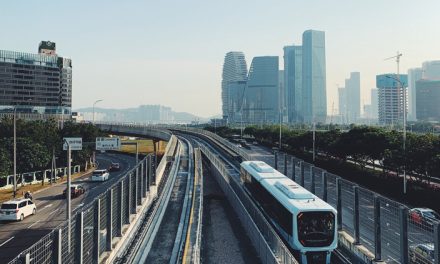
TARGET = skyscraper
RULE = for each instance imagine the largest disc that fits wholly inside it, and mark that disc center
(234, 70)
(342, 98)
(428, 98)
(374, 103)
(353, 97)
(293, 82)
(314, 95)
(391, 103)
(413, 76)
(431, 70)
(37, 85)
(261, 102)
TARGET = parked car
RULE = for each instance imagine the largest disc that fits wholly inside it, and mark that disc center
(75, 190)
(17, 209)
(424, 217)
(422, 253)
(114, 167)
(100, 175)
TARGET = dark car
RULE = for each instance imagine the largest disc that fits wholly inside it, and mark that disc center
(424, 217)
(422, 253)
(75, 190)
(114, 167)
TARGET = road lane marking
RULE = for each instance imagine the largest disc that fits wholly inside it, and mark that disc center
(33, 224)
(47, 206)
(6, 241)
(54, 211)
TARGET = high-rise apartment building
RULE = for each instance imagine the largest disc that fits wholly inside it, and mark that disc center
(261, 101)
(37, 85)
(413, 76)
(314, 95)
(391, 98)
(234, 71)
(428, 98)
(353, 97)
(293, 82)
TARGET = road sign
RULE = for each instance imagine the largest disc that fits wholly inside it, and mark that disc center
(108, 143)
(75, 143)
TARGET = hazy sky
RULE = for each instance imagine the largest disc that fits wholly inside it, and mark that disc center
(171, 52)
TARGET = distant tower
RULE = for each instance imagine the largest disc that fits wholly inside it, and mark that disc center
(391, 105)
(293, 82)
(234, 70)
(314, 94)
(261, 103)
(353, 97)
(413, 76)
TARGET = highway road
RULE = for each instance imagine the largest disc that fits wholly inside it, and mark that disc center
(390, 226)
(51, 208)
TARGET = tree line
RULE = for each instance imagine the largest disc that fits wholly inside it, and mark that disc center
(363, 145)
(38, 140)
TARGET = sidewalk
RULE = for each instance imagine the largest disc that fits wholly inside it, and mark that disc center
(6, 195)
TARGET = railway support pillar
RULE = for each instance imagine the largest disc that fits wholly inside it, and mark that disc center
(312, 179)
(96, 230)
(58, 246)
(109, 219)
(141, 181)
(145, 177)
(377, 230)
(324, 186)
(339, 202)
(356, 223)
(79, 242)
(119, 222)
(301, 169)
(293, 160)
(437, 243)
(403, 215)
(276, 160)
(127, 199)
(285, 164)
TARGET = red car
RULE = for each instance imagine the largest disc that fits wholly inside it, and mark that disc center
(114, 167)
(424, 216)
(75, 191)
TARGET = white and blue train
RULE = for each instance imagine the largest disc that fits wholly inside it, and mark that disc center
(307, 223)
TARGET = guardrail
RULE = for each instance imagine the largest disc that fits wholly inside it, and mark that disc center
(268, 244)
(35, 177)
(381, 225)
(97, 227)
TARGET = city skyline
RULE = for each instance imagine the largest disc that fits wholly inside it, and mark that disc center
(147, 49)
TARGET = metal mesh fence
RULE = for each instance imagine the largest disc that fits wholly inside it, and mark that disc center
(318, 174)
(133, 191)
(366, 218)
(103, 223)
(307, 176)
(331, 190)
(421, 238)
(68, 254)
(390, 230)
(115, 211)
(347, 197)
(88, 232)
(125, 201)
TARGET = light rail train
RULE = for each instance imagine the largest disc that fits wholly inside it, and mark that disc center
(307, 223)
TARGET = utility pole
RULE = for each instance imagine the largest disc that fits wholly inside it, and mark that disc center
(68, 194)
(15, 152)
(97, 101)
(314, 137)
(400, 86)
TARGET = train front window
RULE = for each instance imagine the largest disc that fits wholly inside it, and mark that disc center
(316, 229)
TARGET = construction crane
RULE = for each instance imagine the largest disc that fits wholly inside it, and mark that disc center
(397, 57)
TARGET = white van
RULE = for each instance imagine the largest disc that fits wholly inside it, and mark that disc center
(17, 209)
(100, 175)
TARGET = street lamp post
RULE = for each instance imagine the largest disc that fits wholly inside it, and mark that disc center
(404, 127)
(97, 101)
(15, 152)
